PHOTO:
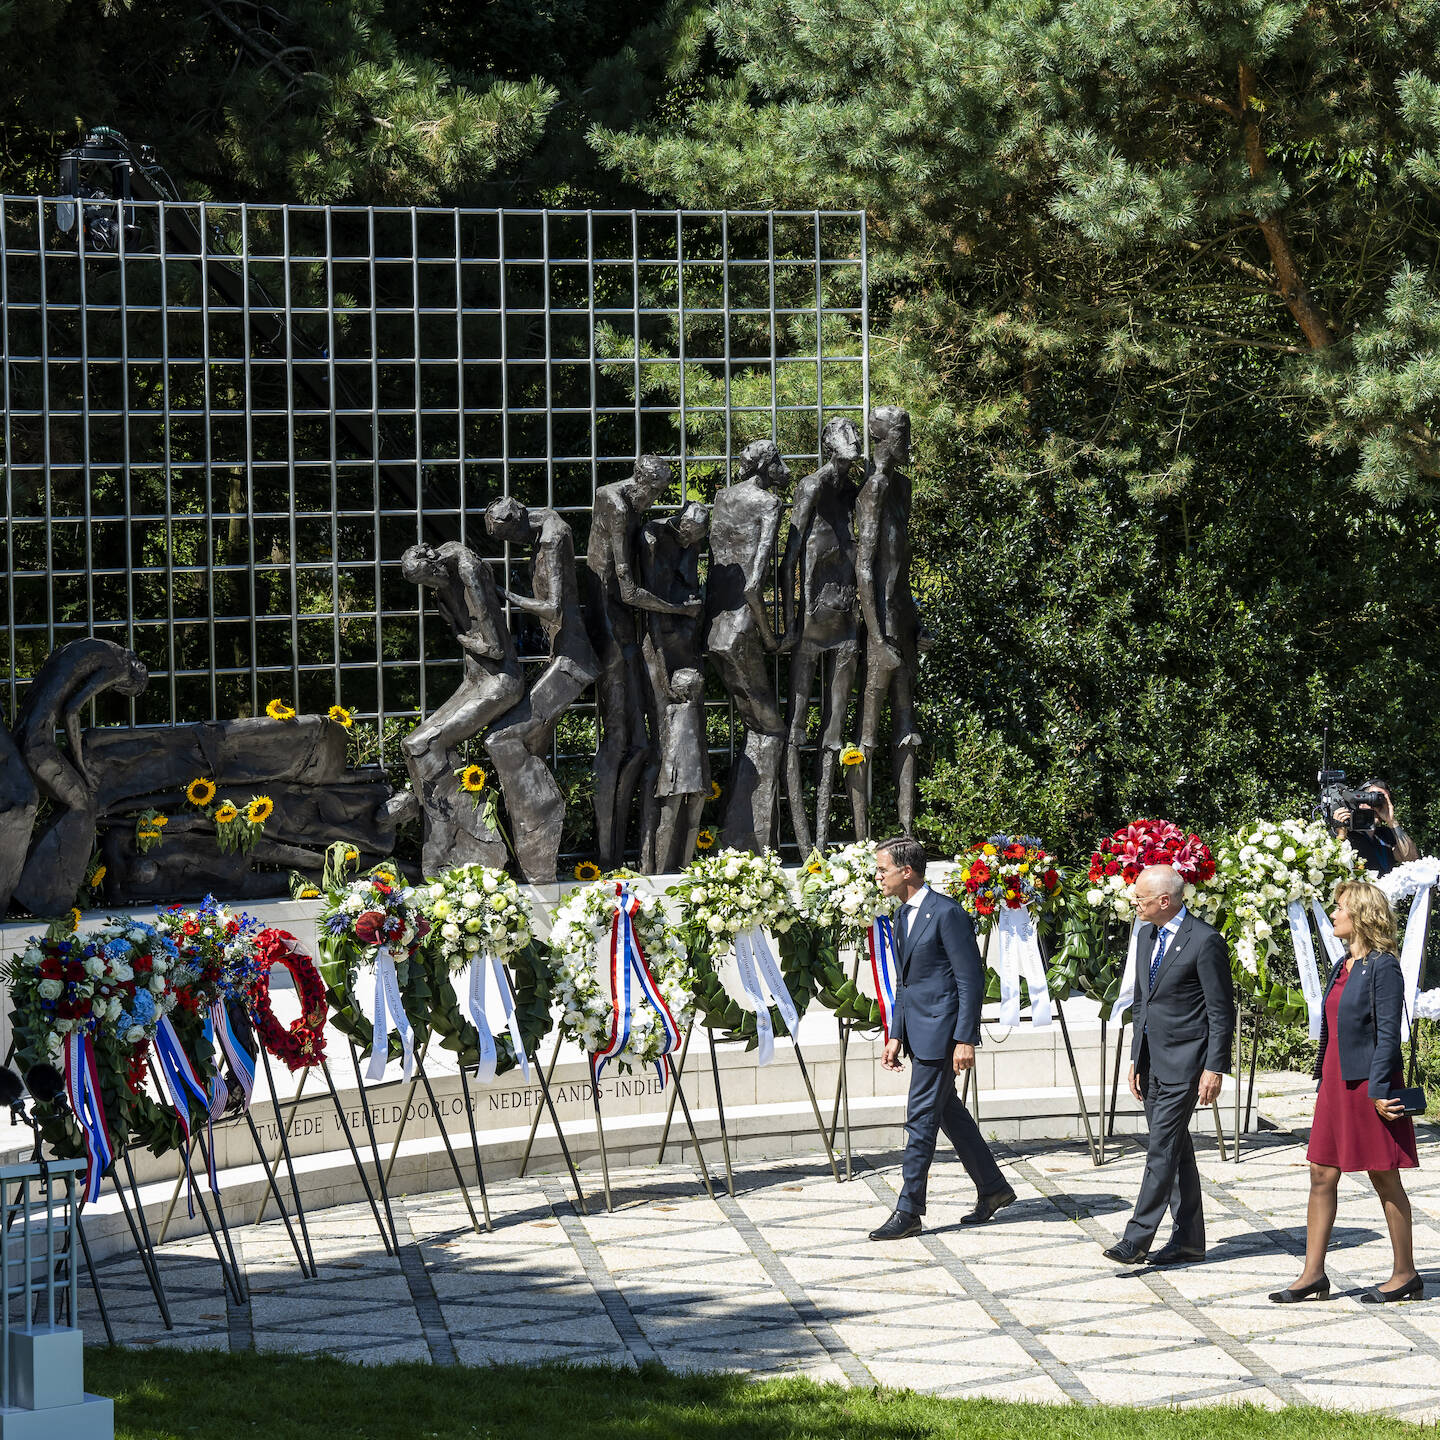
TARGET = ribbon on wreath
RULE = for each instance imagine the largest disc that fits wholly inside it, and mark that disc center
(884, 965)
(1412, 953)
(1126, 993)
(220, 1025)
(763, 984)
(181, 1080)
(1020, 957)
(386, 1010)
(622, 962)
(1305, 962)
(475, 1001)
(82, 1089)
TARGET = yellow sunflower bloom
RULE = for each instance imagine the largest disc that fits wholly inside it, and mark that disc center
(147, 834)
(200, 792)
(97, 877)
(279, 710)
(715, 791)
(472, 779)
(225, 814)
(385, 876)
(351, 856)
(309, 893)
(587, 870)
(260, 809)
(73, 916)
(814, 867)
(341, 716)
(852, 755)
(705, 840)
(159, 822)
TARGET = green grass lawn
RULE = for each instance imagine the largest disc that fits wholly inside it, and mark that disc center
(169, 1395)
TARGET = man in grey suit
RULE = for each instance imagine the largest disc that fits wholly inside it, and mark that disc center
(1184, 1019)
(937, 1021)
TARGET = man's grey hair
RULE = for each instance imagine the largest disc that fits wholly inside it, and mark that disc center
(1166, 880)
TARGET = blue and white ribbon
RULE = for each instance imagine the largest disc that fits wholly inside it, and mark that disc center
(220, 1025)
(884, 966)
(181, 1081)
(477, 1003)
(624, 965)
(762, 983)
(386, 1011)
(82, 1088)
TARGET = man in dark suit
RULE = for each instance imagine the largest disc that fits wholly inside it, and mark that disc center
(1184, 1019)
(937, 1020)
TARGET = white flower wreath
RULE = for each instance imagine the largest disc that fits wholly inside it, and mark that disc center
(477, 911)
(839, 891)
(733, 891)
(1403, 883)
(580, 926)
(1265, 867)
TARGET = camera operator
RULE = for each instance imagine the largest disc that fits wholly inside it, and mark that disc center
(1372, 831)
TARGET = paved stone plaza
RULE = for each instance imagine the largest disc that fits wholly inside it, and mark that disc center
(782, 1280)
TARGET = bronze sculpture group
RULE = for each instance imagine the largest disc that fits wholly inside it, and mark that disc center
(637, 621)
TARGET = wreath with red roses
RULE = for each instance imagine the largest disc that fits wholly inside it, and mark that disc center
(302, 1045)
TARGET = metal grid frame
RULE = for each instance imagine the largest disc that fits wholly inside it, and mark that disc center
(215, 451)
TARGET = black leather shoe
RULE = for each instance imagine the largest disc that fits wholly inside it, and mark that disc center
(900, 1226)
(1127, 1252)
(1315, 1290)
(1410, 1290)
(1174, 1254)
(988, 1206)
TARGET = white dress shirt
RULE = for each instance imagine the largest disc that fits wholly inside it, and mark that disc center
(1169, 930)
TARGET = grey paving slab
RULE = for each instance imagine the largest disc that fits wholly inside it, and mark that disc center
(783, 1280)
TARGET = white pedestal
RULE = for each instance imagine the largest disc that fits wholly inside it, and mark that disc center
(47, 1386)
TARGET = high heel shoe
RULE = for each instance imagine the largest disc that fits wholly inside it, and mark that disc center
(1410, 1290)
(1317, 1290)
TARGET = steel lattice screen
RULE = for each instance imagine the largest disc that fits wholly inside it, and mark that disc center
(219, 441)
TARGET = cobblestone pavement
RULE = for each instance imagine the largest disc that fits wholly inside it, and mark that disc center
(782, 1280)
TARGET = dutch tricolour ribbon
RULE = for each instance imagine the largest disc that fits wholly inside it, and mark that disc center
(478, 1001)
(1127, 978)
(1020, 957)
(1306, 964)
(884, 966)
(620, 960)
(763, 985)
(385, 1011)
(82, 1088)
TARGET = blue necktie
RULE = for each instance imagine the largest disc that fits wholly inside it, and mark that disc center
(1159, 957)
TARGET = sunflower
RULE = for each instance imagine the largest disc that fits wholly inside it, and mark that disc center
(200, 792)
(308, 893)
(279, 710)
(341, 716)
(715, 791)
(97, 877)
(385, 876)
(814, 867)
(225, 814)
(73, 916)
(159, 822)
(260, 809)
(351, 856)
(472, 779)
(705, 840)
(147, 834)
(587, 870)
(852, 755)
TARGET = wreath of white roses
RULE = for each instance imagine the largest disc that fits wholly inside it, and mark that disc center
(733, 891)
(1265, 867)
(1403, 883)
(839, 891)
(580, 924)
(477, 911)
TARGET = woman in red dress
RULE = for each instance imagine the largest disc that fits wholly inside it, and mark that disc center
(1357, 1125)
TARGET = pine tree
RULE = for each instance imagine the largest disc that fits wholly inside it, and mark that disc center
(1142, 189)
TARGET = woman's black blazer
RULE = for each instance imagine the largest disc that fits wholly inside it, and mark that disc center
(1369, 1022)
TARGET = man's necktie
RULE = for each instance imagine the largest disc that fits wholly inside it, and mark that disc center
(1159, 957)
(902, 928)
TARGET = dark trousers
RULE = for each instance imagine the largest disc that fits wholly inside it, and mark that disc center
(934, 1106)
(1171, 1180)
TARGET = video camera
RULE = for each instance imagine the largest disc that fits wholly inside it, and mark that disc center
(1362, 804)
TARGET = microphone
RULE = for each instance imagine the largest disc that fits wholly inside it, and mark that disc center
(12, 1092)
(44, 1082)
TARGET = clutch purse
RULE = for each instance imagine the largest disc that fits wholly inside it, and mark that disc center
(1412, 1098)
